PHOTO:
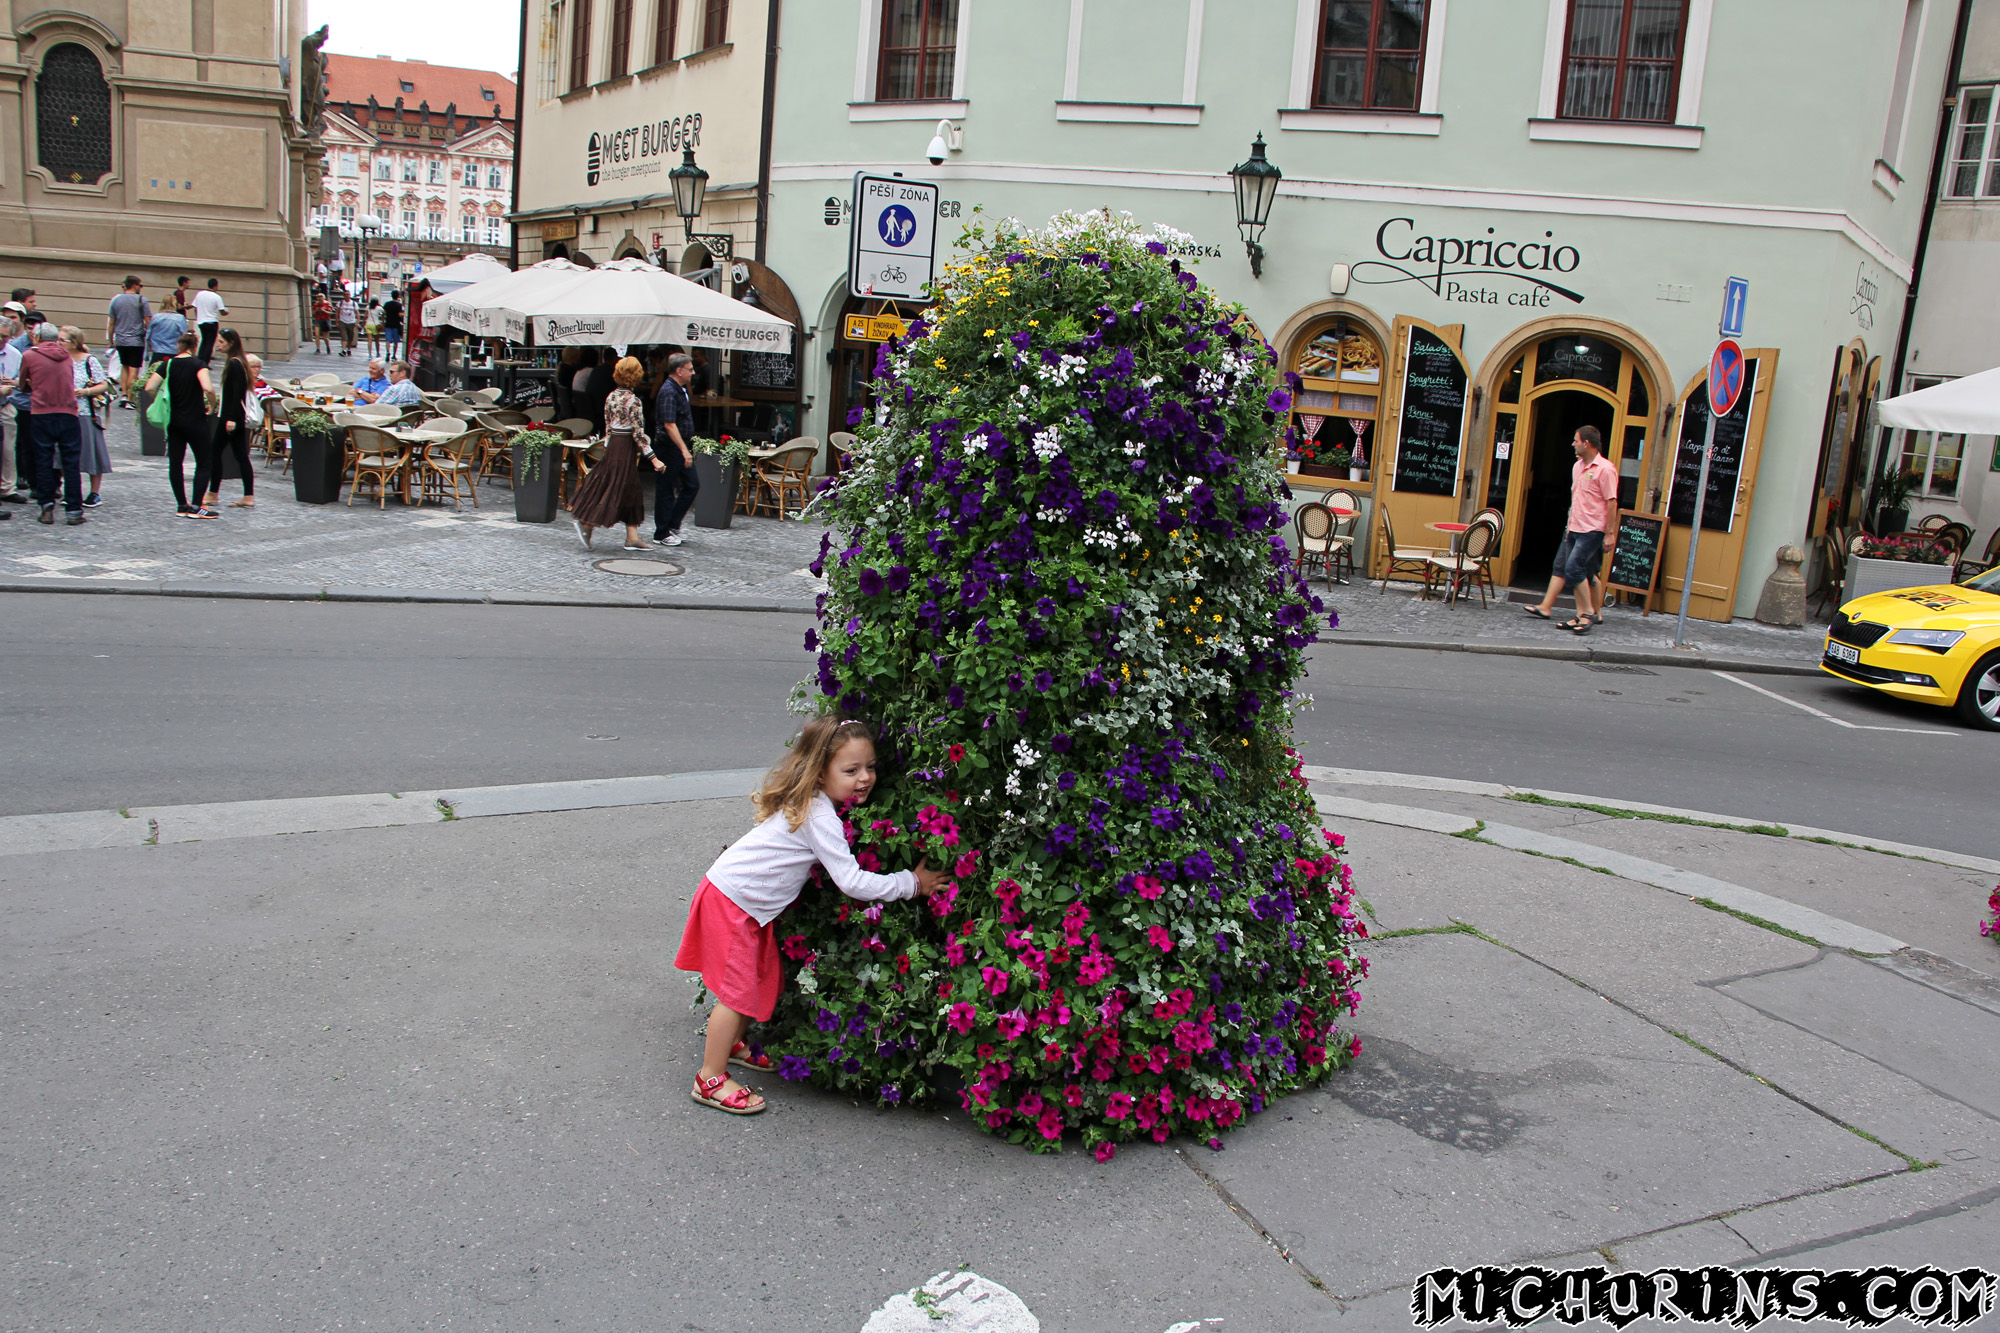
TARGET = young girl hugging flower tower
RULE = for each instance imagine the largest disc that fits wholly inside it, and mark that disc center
(729, 937)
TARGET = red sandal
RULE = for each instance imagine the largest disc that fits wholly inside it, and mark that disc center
(742, 1056)
(708, 1091)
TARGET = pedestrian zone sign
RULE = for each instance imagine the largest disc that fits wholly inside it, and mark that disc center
(892, 241)
(1725, 377)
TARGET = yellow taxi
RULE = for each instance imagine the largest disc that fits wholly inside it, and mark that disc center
(1937, 645)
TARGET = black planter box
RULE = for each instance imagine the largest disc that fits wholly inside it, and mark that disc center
(317, 464)
(715, 502)
(535, 497)
(152, 439)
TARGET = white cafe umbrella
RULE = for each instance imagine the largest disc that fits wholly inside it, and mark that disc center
(471, 269)
(1970, 405)
(617, 304)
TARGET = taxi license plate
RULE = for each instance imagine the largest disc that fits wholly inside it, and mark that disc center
(1840, 652)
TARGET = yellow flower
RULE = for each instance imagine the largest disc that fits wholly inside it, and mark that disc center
(940, 363)
(1218, 620)
(989, 333)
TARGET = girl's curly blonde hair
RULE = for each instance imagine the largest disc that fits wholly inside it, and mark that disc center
(790, 785)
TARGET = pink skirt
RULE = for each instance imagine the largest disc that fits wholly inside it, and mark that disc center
(737, 958)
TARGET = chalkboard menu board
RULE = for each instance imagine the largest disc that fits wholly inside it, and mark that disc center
(767, 370)
(1725, 470)
(1635, 558)
(1433, 421)
(529, 389)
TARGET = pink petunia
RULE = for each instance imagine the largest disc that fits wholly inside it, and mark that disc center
(1149, 887)
(1104, 1152)
(996, 979)
(954, 953)
(1119, 1106)
(1030, 1105)
(1159, 938)
(1011, 1025)
(962, 1015)
(1051, 1123)
(1072, 1095)
(966, 865)
(875, 942)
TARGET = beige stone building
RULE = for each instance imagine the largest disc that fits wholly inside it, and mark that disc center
(427, 149)
(156, 137)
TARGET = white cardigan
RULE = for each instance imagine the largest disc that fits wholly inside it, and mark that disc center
(765, 869)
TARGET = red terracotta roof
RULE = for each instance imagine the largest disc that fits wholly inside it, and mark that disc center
(352, 79)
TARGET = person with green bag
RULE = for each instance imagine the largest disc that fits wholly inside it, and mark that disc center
(182, 384)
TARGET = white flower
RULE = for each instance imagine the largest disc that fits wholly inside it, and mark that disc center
(1047, 443)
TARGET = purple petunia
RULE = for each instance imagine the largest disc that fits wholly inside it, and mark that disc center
(899, 578)
(794, 1067)
(870, 583)
(827, 1020)
(891, 1094)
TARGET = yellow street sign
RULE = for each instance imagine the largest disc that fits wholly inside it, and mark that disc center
(875, 328)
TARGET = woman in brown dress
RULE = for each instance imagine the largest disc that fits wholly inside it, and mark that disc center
(611, 493)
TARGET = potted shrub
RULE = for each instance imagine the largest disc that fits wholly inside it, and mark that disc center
(719, 464)
(1326, 461)
(319, 457)
(1884, 564)
(1892, 500)
(537, 475)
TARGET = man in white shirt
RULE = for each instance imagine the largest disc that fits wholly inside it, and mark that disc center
(349, 313)
(208, 313)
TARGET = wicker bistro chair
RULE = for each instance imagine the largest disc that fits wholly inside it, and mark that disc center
(1400, 559)
(1931, 522)
(1951, 541)
(496, 451)
(785, 476)
(1319, 543)
(1833, 568)
(448, 464)
(540, 412)
(575, 428)
(1979, 564)
(378, 412)
(1466, 564)
(379, 455)
(277, 433)
(320, 381)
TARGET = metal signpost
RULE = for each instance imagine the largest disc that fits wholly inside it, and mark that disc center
(1725, 386)
(892, 238)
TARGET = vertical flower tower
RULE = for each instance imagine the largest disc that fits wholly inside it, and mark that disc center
(1064, 601)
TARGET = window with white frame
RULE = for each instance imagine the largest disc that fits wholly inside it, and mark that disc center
(493, 231)
(437, 173)
(471, 175)
(1935, 457)
(1899, 87)
(1622, 60)
(1371, 55)
(382, 168)
(410, 170)
(919, 50)
(435, 219)
(556, 21)
(1974, 170)
(409, 217)
(496, 178)
(347, 212)
(350, 164)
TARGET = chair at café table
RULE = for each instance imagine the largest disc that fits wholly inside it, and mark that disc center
(1833, 566)
(1947, 542)
(377, 454)
(1400, 559)
(1499, 522)
(488, 395)
(786, 476)
(541, 412)
(1971, 566)
(1318, 544)
(319, 381)
(1466, 563)
(574, 428)
(379, 411)
(496, 449)
(447, 463)
(276, 435)
(1931, 522)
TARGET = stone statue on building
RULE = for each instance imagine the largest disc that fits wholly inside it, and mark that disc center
(312, 83)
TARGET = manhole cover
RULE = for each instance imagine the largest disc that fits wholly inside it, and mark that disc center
(1613, 669)
(644, 569)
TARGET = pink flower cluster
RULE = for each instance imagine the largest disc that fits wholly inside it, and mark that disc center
(1992, 927)
(938, 824)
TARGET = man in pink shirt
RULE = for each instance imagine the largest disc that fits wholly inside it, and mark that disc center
(1593, 525)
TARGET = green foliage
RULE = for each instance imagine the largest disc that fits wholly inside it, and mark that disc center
(1065, 603)
(532, 447)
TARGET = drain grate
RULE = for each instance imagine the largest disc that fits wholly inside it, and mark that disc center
(645, 569)
(1615, 669)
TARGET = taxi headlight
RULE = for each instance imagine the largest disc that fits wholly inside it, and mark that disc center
(1939, 639)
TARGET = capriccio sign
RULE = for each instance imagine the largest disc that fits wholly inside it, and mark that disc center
(1449, 265)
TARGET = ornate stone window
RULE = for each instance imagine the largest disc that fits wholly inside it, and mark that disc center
(73, 116)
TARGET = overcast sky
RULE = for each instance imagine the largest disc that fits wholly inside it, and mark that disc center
(475, 34)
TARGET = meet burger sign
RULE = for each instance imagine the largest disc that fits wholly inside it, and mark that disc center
(634, 152)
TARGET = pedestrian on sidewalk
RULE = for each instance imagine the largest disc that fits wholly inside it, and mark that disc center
(163, 337)
(125, 330)
(1593, 525)
(674, 492)
(232, 428)
(322, 322)
(611, 493)
(187, 426)
(93, 395)
(182, 300)
(371, 328)
(50, 378)
(392, 324)
(21, 456)
(729, 938)
(348, 314)
(208, 313)
(10, 376)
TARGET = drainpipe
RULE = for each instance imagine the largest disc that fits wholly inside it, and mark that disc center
(764, 142)
(520, 129)
(1941, 152)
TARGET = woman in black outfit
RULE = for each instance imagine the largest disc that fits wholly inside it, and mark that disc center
(187, 428)
(232, 432)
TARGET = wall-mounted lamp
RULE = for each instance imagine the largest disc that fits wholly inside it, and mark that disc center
(1256, 186)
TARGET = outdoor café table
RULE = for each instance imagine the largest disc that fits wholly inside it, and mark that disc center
(746, 485)
(1455, 531)
(415, 440)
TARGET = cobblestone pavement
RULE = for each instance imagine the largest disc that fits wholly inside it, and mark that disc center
(136, 537)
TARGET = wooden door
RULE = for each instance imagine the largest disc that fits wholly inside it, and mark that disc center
(1421, 462)
(1719, 558)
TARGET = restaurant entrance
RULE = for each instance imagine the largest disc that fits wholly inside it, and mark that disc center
(1544, 509)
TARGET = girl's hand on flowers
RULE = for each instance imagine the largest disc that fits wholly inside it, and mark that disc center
(929, 881)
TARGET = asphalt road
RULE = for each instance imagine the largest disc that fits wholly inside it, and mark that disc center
(124, 701)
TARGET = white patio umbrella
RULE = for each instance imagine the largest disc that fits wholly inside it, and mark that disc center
(616, 304)
(471, 269)
(1969, 405)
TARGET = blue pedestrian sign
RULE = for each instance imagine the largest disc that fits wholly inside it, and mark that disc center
(1735, 296)
(892, 245)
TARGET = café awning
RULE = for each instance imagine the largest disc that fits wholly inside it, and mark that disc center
(619, 304)
(1969, 405)
(473, 268)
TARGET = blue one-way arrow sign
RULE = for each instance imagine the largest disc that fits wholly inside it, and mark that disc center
(1735, 296)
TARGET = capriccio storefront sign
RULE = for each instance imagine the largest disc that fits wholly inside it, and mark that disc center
(638, 151)
(1460, 268)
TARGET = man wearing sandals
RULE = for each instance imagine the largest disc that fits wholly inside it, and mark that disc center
(1593, 524)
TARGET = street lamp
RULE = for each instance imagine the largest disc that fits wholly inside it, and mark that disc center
(369, 225)
(690, 184)
(1256, 186)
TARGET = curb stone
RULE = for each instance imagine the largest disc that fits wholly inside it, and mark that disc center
(277, 592)
(1623, 656)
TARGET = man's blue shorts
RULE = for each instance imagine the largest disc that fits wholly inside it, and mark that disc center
(1578, 557)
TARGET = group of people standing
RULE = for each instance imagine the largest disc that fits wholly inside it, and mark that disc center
(613, 493)
(53, 433)
(339, 313)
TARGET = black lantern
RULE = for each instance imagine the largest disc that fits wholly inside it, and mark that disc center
(690, 183)
(1256, 186)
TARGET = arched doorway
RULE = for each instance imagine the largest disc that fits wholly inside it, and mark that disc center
(1545, 384)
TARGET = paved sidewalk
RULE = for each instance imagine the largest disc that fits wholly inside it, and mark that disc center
(136, 542)
(435, 1073)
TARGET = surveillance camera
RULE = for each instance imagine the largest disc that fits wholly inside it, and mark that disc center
(937, 151)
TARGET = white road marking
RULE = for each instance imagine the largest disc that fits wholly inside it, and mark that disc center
(964, 1302)
(1827, 717)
